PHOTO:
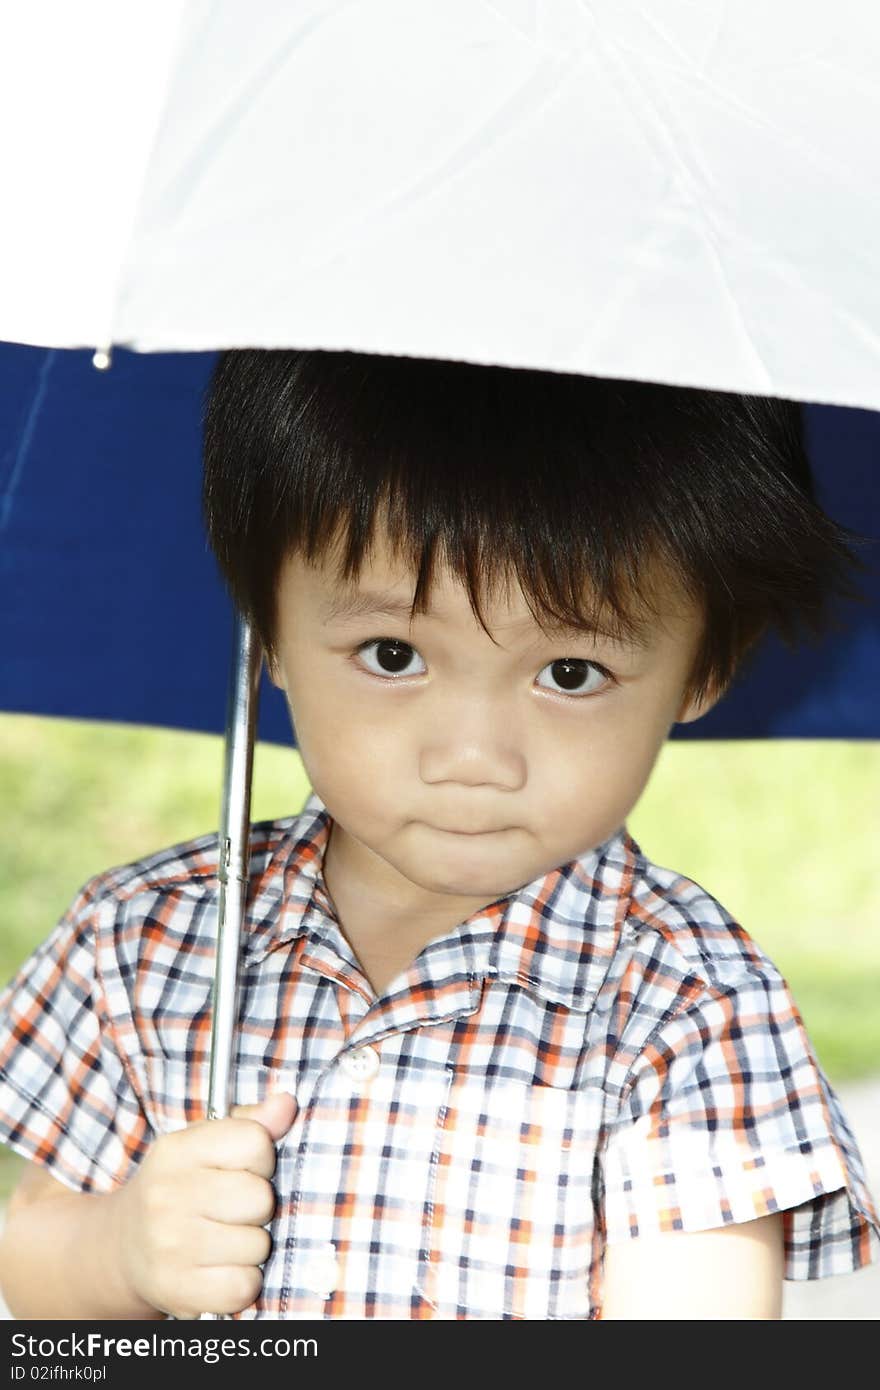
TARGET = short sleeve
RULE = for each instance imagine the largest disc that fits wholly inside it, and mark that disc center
(67, 1099)
(726, 1116)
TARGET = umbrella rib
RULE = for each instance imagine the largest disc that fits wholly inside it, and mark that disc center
(25, 439)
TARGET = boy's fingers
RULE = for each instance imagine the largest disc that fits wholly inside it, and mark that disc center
(217, 1243)
(230, 1143)
(234, 1197)
(219, 1289)
(276, 1113)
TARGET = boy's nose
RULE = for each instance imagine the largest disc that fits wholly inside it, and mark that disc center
(488, 757)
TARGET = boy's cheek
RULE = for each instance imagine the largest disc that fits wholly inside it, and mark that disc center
(336, 749)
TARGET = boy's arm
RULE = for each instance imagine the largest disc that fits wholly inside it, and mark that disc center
(59, 1251)
(729, 1272)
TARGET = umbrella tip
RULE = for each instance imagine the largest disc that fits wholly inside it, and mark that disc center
(103, 357)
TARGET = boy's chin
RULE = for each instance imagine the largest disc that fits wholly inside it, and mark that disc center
(474, 872)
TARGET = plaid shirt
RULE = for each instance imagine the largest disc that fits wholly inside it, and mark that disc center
(600, 1055)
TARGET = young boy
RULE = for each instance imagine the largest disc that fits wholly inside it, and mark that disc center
(492, 1061)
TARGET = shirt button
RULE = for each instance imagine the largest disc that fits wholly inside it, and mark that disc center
(321, 1274)
(361, 1064)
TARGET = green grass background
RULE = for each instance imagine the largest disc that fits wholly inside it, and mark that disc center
(783, 833)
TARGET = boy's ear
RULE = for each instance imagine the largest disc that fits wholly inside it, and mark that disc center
(691, 709)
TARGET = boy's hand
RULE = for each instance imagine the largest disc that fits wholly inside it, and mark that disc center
(190, 1222)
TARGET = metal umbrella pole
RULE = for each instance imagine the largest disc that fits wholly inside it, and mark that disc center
(232, 869)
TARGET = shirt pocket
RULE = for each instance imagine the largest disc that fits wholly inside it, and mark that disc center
(508, 1230)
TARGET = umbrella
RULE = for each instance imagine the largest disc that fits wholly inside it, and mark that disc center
(682, 196)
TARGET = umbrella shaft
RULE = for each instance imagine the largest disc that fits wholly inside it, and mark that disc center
(233, 865)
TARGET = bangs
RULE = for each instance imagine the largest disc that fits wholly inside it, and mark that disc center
(501, 489)
(562, 590)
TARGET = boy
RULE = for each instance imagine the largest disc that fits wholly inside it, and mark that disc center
(492, 1062)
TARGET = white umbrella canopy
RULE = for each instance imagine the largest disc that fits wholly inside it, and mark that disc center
(683, 192)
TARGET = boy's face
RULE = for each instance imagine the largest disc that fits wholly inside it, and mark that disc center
(456, 770)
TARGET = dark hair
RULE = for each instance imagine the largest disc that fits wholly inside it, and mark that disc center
(575, 486)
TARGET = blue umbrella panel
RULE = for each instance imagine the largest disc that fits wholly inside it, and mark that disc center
(113, 607)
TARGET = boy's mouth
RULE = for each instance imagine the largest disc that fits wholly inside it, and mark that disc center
(470, 832)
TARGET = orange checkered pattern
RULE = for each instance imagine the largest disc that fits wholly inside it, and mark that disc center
(603, 1053)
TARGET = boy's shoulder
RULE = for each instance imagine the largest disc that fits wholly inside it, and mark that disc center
(189, 868)
(672, 914)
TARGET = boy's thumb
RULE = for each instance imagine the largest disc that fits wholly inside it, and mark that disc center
(276, 1113)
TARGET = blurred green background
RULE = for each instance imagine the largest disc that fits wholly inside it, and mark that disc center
(783, 833)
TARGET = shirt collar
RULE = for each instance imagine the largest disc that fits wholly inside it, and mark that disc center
(290, 892)
(555, 936)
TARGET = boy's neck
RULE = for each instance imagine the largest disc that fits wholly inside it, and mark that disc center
(385, 933)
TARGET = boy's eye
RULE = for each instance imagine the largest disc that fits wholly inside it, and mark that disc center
(391, 656)
(572, 676)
